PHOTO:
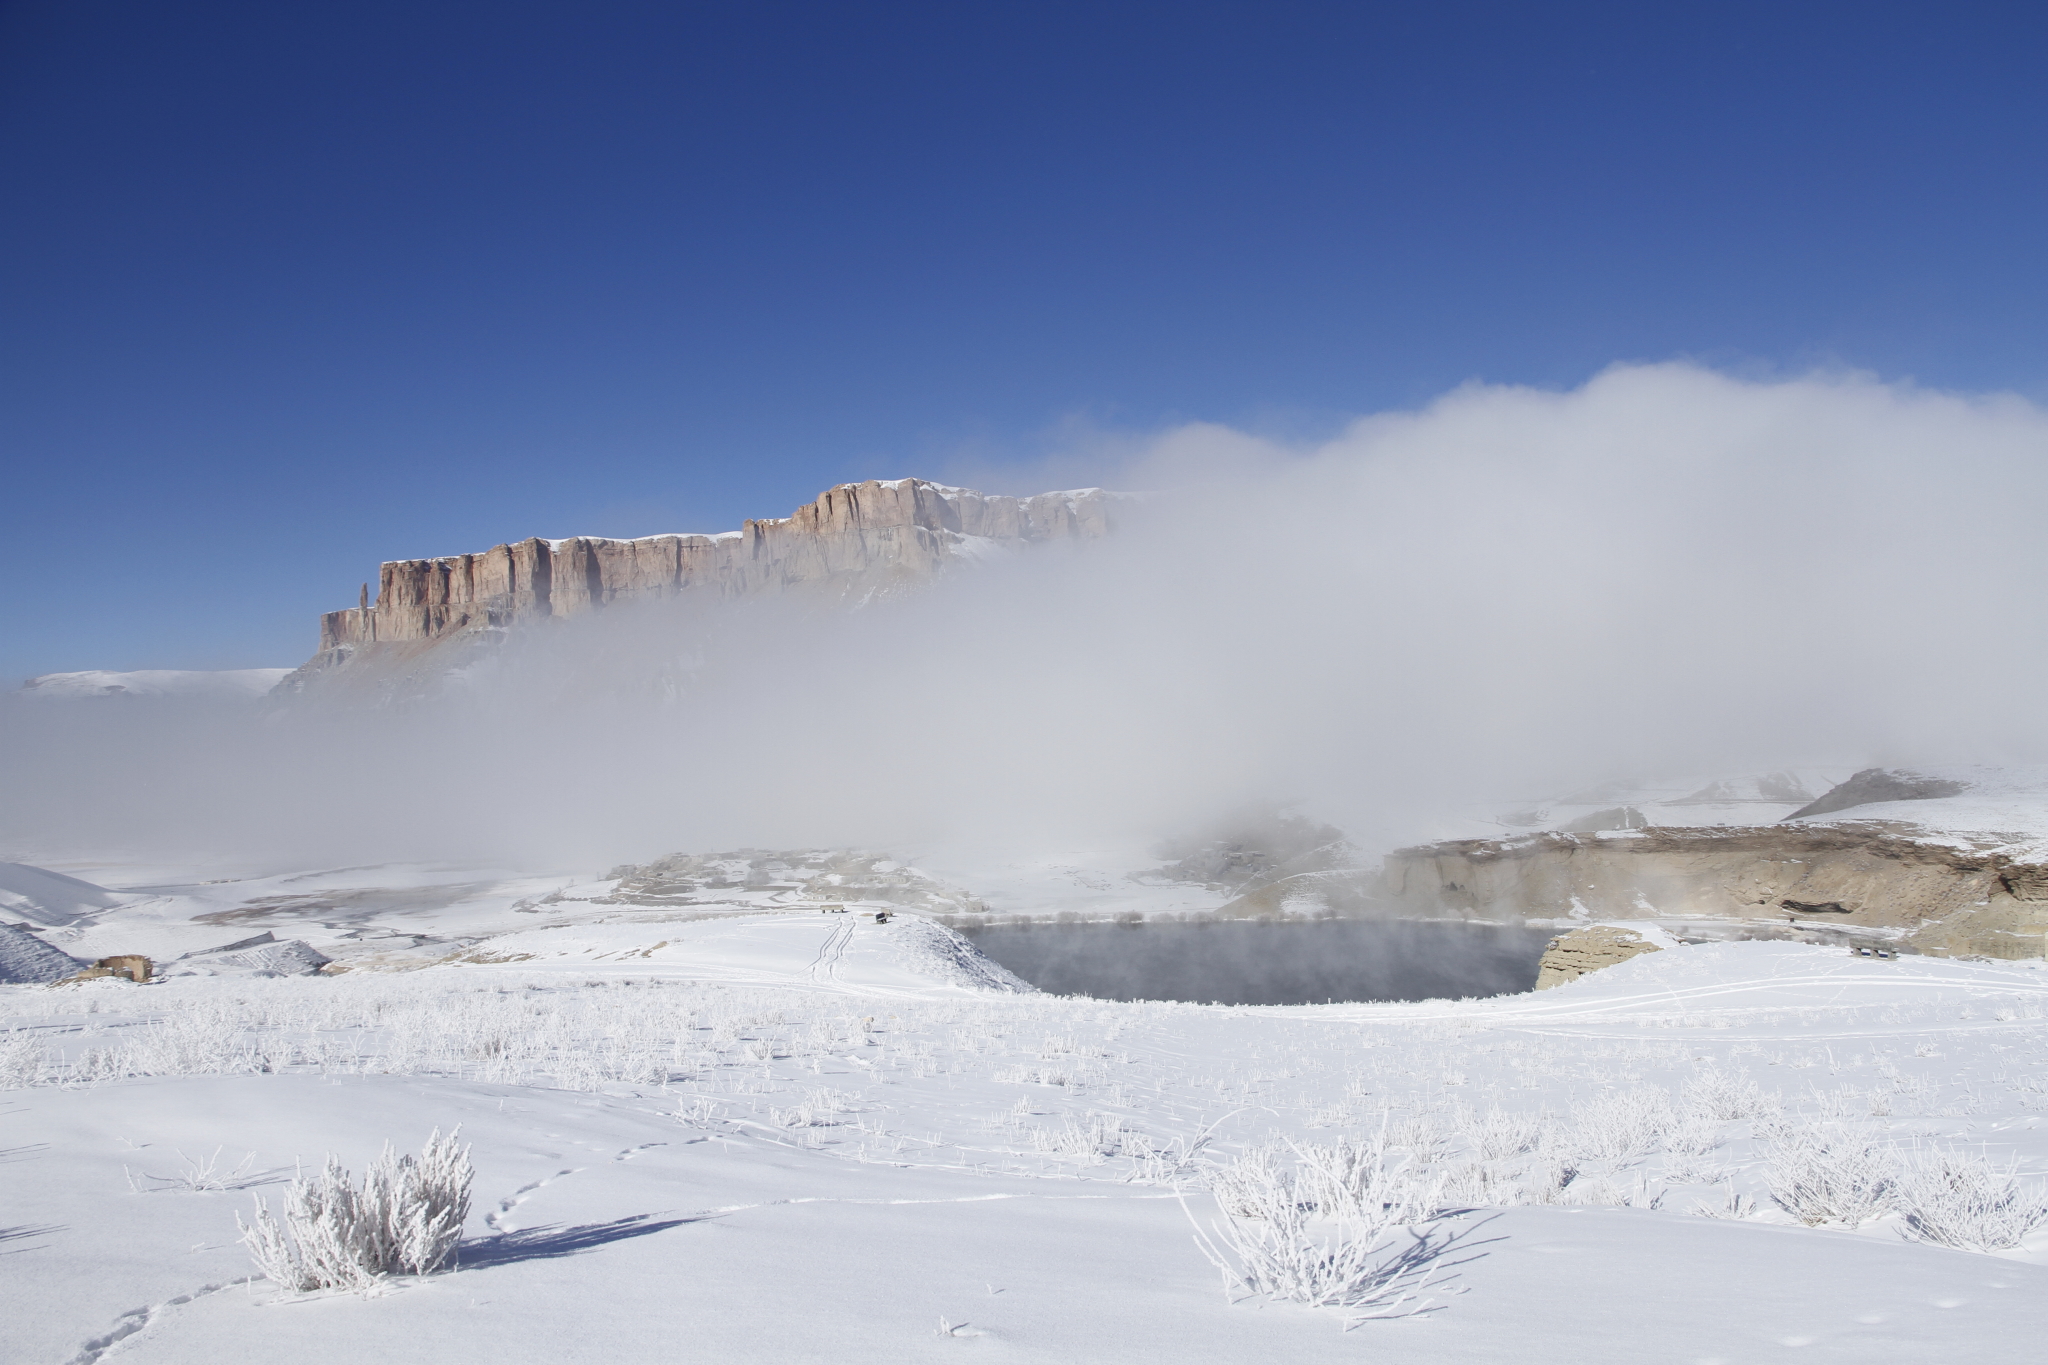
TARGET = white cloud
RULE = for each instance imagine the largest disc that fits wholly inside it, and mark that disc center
(1667, 569)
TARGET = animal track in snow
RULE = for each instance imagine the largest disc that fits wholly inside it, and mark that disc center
(135, 1319)
(496, 1221)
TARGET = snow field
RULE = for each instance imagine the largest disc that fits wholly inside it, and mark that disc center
(1841, 1121)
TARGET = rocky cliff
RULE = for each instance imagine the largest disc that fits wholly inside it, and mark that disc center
(855, 539)
(1952, 862)
(1827, 882)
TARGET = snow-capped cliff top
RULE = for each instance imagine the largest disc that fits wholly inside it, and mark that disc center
(947, 492)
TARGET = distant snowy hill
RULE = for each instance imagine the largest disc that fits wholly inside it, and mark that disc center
(154, 682)
(50, 898)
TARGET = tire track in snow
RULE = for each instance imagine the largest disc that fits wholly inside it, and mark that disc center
(824, 968)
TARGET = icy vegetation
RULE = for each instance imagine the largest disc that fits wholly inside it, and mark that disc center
(404, 1219)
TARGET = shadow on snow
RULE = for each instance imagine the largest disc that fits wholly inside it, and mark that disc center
(554, 1240)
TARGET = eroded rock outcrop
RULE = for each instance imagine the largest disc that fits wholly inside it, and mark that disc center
(853, 540)
(1570, 956)
(123, 966)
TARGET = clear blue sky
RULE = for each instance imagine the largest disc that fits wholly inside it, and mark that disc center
(289, 289)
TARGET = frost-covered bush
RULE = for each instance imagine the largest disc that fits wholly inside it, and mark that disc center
(1546, 1181)
(405, 1219)
(1499, 1135)
(1717, 1095)
(1626, 1124)
(821, 1108)
(1961, 1200)
(1092, 1138)
(200, 1176)
(1823, 1176)
(1315, 1232)
(1359, 1180)
(21, 1056)
(1253, 1183)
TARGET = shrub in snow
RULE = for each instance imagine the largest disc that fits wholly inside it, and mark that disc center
(21, 1058)
(1955, 1199)
(1819, 1176)
(198, 1177)
(820, 1109)
(1717, 1095)
(1253, 1183)
(1498, 1135)
(1358, 1181)
(1474, 1184)
(1546, 1181)
(1622, 1125)
(405, 1219)
(1732, 1205)
(1315, 1232)
(1093, 1138)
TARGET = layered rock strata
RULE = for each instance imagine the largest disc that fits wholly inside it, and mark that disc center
(858, 537)
(1826, 882)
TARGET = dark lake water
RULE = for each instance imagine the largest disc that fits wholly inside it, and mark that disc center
(1253, 963)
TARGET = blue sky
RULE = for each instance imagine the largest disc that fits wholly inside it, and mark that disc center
(292, 289)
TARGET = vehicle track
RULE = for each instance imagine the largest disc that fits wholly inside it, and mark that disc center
(824, 968)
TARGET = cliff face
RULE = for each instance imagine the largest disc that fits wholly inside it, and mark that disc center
(1838, 882)
(854, 538)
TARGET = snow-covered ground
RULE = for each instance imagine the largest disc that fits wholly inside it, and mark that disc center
(412, 914)
(1996, 809)
(155, 682)
(814, 1137)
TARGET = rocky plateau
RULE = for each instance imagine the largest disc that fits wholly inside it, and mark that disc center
(852, 542)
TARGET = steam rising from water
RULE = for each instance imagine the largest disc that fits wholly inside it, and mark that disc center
(1275, 963)
(1668, 570)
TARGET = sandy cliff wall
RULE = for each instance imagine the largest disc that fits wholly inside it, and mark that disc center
(1832, 879)
(853, 537)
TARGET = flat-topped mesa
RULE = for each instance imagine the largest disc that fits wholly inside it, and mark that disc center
(857, 534)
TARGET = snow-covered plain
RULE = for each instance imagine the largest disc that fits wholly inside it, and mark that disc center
(801, 1136)
(224, 684)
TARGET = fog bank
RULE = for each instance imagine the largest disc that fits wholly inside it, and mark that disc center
(1436, 612)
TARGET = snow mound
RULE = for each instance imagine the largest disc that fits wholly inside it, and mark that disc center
(946, 955)
(1874, 785)
(263, 955)
(50, 898)
(26, 960)
(1769, 789)
(154, 682)
(1975, 807)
